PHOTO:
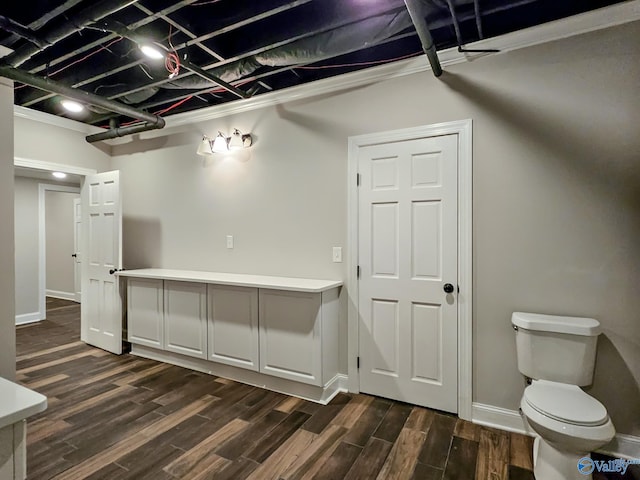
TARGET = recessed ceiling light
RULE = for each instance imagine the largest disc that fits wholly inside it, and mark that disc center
(72, 106)
(151, 51)
(59, 174)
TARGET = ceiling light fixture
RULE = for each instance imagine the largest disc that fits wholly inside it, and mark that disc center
(59, 174)
(151, 51)
(72, 106)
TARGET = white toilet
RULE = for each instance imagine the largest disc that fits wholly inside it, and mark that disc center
(558, 354)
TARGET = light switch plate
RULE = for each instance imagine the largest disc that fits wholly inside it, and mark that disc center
(337, 254)
(229, 241)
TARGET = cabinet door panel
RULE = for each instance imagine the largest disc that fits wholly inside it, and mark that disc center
(185, 318)
(290, 345)
(233, 326)
(144, 312)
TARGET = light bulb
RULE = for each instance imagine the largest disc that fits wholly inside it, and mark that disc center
(72, 106)
(235, 142)
(205, 147)
(220, 144)
(151, 51)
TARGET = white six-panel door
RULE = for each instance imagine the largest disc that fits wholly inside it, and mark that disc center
(101, 316)
(407, 252)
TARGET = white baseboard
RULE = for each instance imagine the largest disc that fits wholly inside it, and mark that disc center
(501, 418)
(61, 295)
(33, 317)
(622, 446)
(322, 395)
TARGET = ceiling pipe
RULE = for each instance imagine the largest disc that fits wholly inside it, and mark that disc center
(20, 30)
(151, 121)
(79, 21)
(476, 10)
(420, 24)
(115, 132)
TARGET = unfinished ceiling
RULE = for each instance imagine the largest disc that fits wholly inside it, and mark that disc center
(218, 51)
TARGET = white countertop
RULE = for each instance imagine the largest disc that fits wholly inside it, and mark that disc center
(18, 403)
(257, 281)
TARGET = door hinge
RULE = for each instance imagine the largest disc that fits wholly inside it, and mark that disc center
(358, 179)
(358, 271)
(358, 362)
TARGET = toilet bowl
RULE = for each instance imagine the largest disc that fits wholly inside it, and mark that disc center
(558, 354)
(570, 424)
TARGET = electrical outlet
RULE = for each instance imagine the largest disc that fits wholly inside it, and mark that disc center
(229, 241)
(337, 254)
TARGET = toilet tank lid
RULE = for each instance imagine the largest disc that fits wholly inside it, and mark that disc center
(555, 323)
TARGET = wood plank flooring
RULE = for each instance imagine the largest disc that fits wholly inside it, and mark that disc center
(124, 417)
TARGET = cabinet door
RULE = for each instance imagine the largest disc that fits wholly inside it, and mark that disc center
(144, 312)
(233, 326)
(185, 318)
(290, 345)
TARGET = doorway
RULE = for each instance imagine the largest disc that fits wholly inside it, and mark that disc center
(57, 232)
(31, 255)
(410, 265)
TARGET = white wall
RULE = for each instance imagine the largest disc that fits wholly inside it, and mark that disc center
(59, 228)
(26, 248)
(35, 140)
(7, 315)
(556, 197)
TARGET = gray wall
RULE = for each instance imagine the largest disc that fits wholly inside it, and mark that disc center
(556, 202)
(59, 228)
(7, 315)
(26, 245)
(39, 141)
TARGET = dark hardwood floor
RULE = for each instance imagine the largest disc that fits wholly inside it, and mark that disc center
(124, 417)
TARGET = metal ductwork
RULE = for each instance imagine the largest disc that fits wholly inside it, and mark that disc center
(82, 19)
(152, 122)
(115, 132)
(329, 44)
(419, 22)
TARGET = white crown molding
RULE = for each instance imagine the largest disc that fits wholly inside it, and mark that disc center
(47, 118)
(52, 167)
(576, 25)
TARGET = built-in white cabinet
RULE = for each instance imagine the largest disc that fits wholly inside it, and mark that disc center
(275, 327)
(16, 404)
(13, 458)
(185, 318)
(145, 311)
(233, 326)
(290, 335)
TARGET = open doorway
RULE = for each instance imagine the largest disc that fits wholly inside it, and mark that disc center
(59, 242)
(46, 214)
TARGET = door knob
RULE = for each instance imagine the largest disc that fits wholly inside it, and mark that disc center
(448, 288)
(74, 255)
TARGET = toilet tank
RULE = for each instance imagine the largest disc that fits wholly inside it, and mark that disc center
(556, 348)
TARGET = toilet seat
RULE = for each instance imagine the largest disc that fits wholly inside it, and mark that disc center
(565, 403)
